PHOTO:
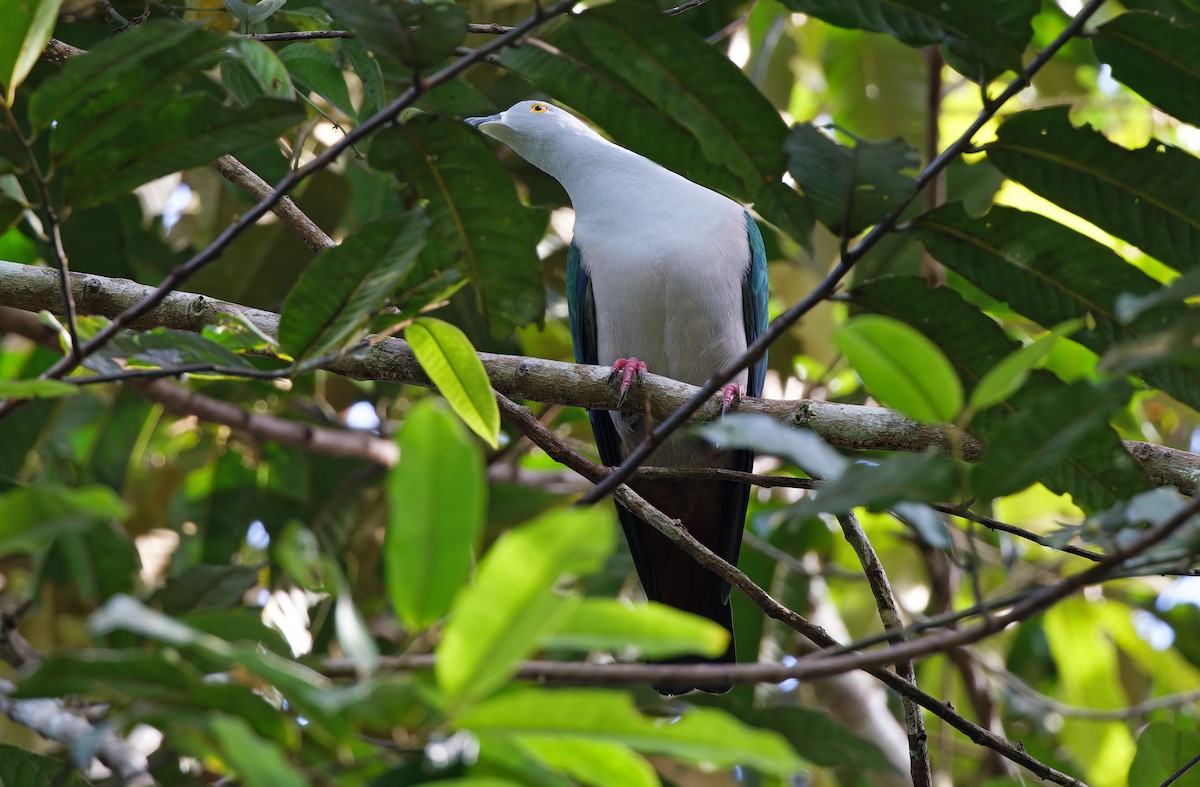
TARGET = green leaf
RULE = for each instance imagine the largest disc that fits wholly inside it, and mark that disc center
(660, 90)
(265, 67)
(23, 767)
(446, 355)
(512, 607)
(369, 73)
(354, 638)
(900, 477)
(901, 368)
(100, 99)
(163, 348)
(705, 736)
(595, 763)
(471, 198)
(1042, 434)
(436, 502)
(257, 763)
(850, 188)
(1097, 472)
(26, 31)
(1139, 196)
(345, 285)
(818, 738)
(11, 210)
(36, 389)
(417, 34)
(1162, 749)
(658, 631)
(765, 435)
(32, 515)
(1156, 57)
(1006, 377)
(1052, 274)
(981, 40)
(314, 69)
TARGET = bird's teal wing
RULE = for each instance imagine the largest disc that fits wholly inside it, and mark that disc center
(582, 309)
(754, 319)
(754, 303)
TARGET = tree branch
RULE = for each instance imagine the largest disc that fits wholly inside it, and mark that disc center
(391, 360)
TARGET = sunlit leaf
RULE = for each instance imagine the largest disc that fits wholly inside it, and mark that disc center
(656, 630)
(511, 607)
(32, 515)
(26, 30)
(594, 763)
(36, 389)
(705, 736)
(901, 367)
(266, 67)
(257, 763)
(436, 502)
(1006, 377)
(446, 355)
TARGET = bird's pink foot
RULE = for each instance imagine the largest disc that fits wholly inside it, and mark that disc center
(626, 368)
(732, 396)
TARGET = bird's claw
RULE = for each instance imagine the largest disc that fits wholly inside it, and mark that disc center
(732, 396)
(626, 368)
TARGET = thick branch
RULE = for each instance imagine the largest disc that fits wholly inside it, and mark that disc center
(846, 426)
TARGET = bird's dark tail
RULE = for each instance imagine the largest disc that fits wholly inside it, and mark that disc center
(714, 514)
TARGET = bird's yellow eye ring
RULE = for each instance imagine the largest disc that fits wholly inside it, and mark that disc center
(538, 109)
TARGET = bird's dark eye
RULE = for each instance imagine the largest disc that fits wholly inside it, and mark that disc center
(538, 109)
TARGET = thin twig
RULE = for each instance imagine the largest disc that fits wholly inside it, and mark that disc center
(885, 602)
(829, 284)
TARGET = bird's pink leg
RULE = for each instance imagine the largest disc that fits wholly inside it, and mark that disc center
(732, 396)
(627, 368)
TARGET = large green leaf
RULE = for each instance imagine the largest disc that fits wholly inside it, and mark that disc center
(660, 90)
(1161, 751)
(477, 217)
(705, 736)
(980, 39)
(344, 286)
(27, 27)
(850, 188)
(1052, 274)
(925, 477)
(818, 738)
(765, 435)
(436, 502)
(901, 367)
(1157, 57)
(658, 631)
(1096, 472)
(511, 607)
(100, 101)
(20, 766)
(447, 356)
(1141, 196)
(590, 762)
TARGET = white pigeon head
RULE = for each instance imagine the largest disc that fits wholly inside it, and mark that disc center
(544, 135)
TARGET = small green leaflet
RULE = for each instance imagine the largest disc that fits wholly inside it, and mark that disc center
(446, 355)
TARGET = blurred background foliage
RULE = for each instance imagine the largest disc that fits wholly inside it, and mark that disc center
(1077, 211)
